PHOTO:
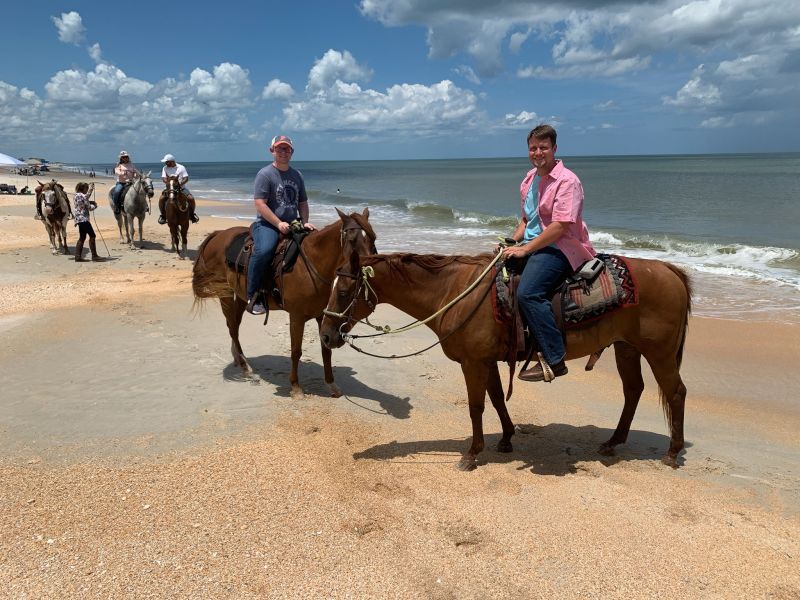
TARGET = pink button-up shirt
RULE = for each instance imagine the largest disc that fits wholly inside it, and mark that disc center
(561, 199)
(125, 172)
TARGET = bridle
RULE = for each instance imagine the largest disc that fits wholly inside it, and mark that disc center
(174, 194)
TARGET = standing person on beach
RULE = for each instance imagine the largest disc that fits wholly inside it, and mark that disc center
(555, 241)
(280, 198)
(125, 173)
(83, 204)
(174, 169)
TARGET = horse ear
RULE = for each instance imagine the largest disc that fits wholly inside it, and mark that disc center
(39, 182)
(365, 212)
(148, 174)
(342, 216)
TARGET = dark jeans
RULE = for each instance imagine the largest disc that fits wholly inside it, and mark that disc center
(85, 229)
(265, 240)
(543, 272)
(116, 192)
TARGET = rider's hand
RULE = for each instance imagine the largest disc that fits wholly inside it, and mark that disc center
(309, 226)
(284, 227)
(515, 251)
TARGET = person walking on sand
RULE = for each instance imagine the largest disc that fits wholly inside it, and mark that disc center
(280, 198)
(174, 169)
(553, 239)
(83, 204)
(125, 173)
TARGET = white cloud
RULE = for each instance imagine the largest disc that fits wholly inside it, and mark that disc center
(522, 118)
(96, 53)
(277, 90)
(70, 27)
(333, 66)
(413, 109)
(696, 93)
(467, 73)
(229, 85)
(517, 39)
(607, 105)
(746, 68)
(717, 123)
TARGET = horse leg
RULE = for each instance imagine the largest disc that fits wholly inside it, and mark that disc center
(629, 367)
(326, 365)
(233, 311)
(296, 327)
(495, 389)
(64, 230)
(184, 240)
(672, 393)
(141, 222)
(476, 376)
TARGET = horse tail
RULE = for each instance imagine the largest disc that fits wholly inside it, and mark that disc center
(208, 282)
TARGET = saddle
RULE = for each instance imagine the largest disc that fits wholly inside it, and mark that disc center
(601, 286)
(240, 250)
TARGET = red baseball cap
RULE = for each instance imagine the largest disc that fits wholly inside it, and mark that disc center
(279, 140)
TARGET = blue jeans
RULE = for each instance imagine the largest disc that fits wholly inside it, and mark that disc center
(265, 240)
(116, 192)
(544, 271)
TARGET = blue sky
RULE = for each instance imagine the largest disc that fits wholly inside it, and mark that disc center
(397, 79)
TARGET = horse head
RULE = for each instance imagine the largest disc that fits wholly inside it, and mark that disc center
(53, 194)
(145, 181)
(173, 187)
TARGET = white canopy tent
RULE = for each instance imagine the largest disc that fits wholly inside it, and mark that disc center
(10, 161)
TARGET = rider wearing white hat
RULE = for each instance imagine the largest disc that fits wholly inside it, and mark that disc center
(174, 169)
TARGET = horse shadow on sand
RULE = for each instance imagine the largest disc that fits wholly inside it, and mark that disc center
(275, 370)
(555, 449)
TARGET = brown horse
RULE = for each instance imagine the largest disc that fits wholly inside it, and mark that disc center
(177, 212)
(55, 214)
(304, 290)
(421, 284)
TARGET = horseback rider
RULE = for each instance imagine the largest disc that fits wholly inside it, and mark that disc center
(280, 198)
(174, 169)
(126, 173)
(555, 241)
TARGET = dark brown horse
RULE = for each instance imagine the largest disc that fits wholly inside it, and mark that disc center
(176, 208)
(305, 289)
(421, 284)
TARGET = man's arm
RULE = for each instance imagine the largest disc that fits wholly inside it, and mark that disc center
(269, 216)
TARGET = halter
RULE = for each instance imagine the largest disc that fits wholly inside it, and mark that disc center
(174, 194)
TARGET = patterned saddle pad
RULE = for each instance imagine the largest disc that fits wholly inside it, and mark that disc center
(577, 301)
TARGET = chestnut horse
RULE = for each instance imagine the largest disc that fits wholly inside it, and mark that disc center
(55, 214)
(305, 289)
(176, 208)
(420, 285)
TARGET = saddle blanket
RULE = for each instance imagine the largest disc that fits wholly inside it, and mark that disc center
(613, 288)
(577, 301)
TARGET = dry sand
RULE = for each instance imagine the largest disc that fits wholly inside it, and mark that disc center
(136, 462)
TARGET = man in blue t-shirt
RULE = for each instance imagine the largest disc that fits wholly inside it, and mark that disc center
(280, 198)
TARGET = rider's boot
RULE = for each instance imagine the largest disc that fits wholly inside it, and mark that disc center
(79, 251)
(162, 220)
(93, 247)
(195, 218)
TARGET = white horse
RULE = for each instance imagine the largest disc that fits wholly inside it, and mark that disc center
(55, 214)
(134, 205)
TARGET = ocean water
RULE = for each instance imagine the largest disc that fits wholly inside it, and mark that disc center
(731, 220)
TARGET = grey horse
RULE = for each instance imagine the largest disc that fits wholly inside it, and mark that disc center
(134, 205)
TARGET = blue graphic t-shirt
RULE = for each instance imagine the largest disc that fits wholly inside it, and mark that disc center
(283, 191)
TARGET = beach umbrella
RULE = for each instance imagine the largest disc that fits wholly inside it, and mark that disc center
(10, 161)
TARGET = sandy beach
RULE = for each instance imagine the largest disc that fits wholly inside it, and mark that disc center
(136, 462)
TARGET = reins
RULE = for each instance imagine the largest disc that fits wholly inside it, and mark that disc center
(366, 273)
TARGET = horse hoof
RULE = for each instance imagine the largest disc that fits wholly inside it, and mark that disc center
(670, 461)
(467, 464)
(606, 450)
(504, 446)
(334, 390)
(297, 394)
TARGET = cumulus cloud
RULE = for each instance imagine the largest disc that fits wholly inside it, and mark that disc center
(96, 53)
(696, 93)
(70, 27)
(517, 39)
(333, 66)
(229, 85)
(277, 90)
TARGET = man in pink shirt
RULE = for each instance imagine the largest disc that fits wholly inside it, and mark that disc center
(554, 238)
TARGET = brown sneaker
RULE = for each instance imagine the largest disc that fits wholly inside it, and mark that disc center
(536, 373)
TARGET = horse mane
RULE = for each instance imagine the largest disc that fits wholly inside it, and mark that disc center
(429, 262)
